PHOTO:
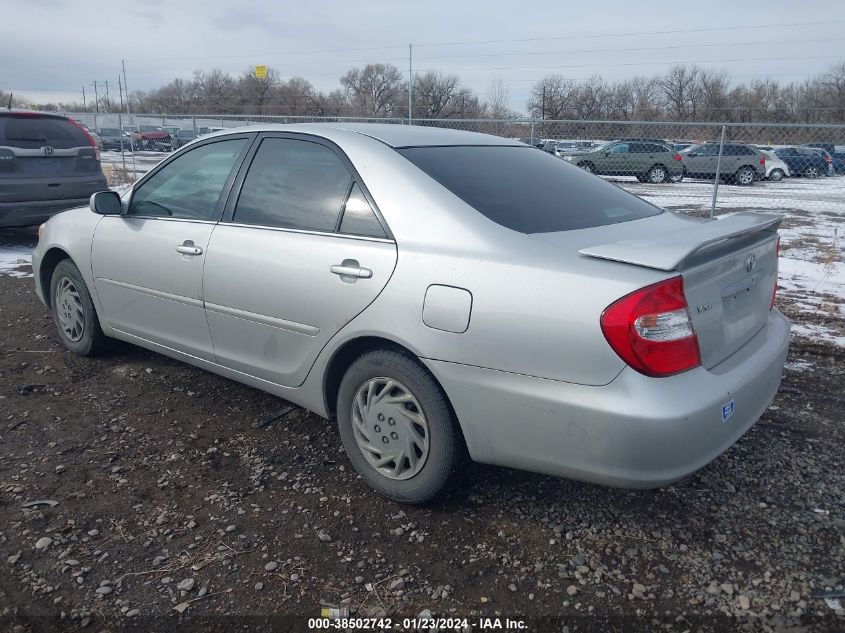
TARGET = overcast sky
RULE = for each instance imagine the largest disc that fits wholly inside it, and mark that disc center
(49, 49)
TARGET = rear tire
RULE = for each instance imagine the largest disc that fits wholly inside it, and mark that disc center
(389, 406)
(744, 177)
(812, 172)
(675, 178)
(73, 311)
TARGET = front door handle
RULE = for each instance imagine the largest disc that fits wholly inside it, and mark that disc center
(188, 248)
(351, 268)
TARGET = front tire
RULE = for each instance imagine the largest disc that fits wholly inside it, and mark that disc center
(657, 174)
(73, 311)
(397, 427)
(587, 166)
(776, 175)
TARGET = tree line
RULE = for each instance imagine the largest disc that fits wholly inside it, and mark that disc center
(683, 93)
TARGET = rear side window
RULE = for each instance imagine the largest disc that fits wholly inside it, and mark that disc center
(528, 191)
(293, 184)
(34, 132)
(358, 216)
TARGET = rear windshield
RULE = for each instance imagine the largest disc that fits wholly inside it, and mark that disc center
(527, 190)
(34, 132)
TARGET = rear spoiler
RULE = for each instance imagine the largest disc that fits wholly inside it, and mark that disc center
(669, 250)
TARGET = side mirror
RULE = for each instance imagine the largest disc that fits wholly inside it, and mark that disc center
(106, 203)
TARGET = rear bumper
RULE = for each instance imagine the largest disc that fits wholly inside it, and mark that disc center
(635, 432)
(36, 211)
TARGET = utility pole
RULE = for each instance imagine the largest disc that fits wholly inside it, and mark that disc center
(129, 114)
(543, 114)
(107, 97)
(410, 83)
(96, 104)
(122, 151)
(84, 105)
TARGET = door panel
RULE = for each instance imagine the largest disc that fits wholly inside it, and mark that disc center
(273, 302)
(146, 287)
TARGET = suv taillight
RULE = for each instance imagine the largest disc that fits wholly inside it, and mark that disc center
(678, 157)
(89, 137)
(762, 161)
(651, 329)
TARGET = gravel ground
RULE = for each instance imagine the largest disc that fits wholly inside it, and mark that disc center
(137, 492)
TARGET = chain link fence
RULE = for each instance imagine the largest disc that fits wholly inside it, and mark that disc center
(698, 168)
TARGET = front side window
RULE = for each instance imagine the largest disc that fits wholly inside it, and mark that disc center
(188, 187)
(526, 190)
(619, 148)
(293, 184)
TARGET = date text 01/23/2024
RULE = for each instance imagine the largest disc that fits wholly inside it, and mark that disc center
(414, 624)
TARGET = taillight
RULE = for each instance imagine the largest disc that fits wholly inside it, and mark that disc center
(777, 260)
(89, 137)
(828, 159)
(651, 329)
(678, 157)
(762, 161)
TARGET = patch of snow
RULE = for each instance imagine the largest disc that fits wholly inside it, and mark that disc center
(816, 333)
(15, 261)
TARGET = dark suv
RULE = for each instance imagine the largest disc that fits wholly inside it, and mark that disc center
(47, 163)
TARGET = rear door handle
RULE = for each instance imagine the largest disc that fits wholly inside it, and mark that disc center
(189, 248)
(351, 268)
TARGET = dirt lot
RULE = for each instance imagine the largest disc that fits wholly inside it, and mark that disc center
(168, 509)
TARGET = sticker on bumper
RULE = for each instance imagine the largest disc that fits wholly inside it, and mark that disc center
(727, 410)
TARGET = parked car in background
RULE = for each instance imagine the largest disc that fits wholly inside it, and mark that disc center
(642, 349)
(836, 164)
(152, 137)
(115, 139)
(97, 139)
(776, 169)
(182, 137)
(648, 161)
(740, 164)
(803, 161)
(48, 163)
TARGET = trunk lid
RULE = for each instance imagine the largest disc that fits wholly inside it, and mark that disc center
(729, 266)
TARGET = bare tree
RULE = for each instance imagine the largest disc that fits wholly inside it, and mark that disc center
(552, 98)
(498, 101)
(434, 95)
(216, 89)
(681, 91)
(373, 88)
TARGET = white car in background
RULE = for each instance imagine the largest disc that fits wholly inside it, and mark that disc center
(776, 169)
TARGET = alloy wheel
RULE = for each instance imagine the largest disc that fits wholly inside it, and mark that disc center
(656, 175)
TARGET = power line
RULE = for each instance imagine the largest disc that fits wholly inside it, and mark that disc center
(503, 41)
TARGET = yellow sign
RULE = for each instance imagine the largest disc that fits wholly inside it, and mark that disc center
(261, 72)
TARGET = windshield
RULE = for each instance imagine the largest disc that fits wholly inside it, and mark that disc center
(526, 190)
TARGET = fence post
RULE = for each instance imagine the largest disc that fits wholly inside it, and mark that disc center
(120, 136)
(532, 132)
(194, 124)
(718, 172)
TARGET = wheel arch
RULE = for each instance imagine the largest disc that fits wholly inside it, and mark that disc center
(49, 261)
(349, 351)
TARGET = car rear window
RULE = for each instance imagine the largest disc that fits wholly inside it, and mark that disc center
(33, 132)
(526, 190)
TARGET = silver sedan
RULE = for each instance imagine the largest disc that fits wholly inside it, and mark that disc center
(438, 293)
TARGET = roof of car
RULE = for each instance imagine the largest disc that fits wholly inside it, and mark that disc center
(24, 112)
(395, 135)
